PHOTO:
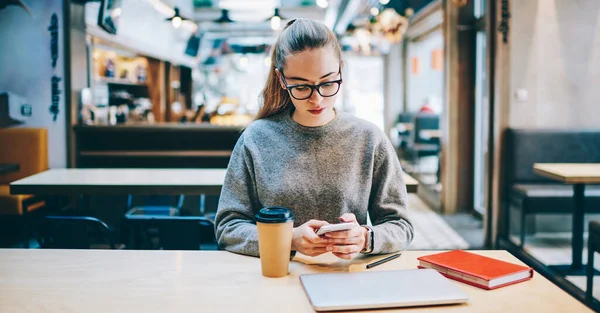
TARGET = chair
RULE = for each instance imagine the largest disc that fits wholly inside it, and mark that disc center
(404, 134)
(152, 206)
(173, 232)
(155, 205)
(593, 247)
(533, 194)
(421, 146)
(27, 147)
(75, 232)
(208, 206)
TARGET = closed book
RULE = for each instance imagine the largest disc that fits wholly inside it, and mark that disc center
(476, 270)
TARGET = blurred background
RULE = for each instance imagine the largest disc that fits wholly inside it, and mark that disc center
(471, 93)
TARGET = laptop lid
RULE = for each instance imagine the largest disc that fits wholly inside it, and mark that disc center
(380, 289)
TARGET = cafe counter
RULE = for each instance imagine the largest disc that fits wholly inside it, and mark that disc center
(161, 145)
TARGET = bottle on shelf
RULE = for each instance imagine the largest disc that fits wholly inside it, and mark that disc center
(141, 73)
(110, 69)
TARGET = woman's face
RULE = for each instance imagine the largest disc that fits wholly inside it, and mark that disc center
(312, 67)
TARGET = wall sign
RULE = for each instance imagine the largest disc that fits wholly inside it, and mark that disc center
(415, 66)
(505, 15)
(26, 110)
(437, 59)
(53, 28)
(54, 109)
(55, 90)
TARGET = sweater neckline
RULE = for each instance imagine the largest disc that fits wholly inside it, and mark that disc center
(311, 129)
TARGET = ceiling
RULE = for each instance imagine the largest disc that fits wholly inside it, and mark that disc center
(254, 14)
(251, 17)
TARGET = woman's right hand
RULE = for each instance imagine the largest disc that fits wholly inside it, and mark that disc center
(306, 241)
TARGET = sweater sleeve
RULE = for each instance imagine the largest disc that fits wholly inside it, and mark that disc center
(392, 230)
(235, 227)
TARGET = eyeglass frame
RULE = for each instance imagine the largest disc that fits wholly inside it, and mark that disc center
(312, 87)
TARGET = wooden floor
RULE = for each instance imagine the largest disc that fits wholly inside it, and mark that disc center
(555, 249)
(431, 231)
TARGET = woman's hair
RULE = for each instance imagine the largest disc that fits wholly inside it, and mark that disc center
(297, 36)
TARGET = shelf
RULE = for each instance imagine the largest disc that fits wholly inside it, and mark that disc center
(119, 81)
(192, 153)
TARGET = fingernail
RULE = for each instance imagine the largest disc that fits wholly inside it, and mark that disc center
(329, 248)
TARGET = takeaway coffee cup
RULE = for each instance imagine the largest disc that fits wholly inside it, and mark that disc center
(275, 226)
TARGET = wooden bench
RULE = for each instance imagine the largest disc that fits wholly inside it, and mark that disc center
(533, 194)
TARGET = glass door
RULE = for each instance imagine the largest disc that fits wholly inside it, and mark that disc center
(481, 124)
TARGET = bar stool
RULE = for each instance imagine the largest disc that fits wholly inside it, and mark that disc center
(173, 232)
(593, 247)
(155, 205)
(75, 232)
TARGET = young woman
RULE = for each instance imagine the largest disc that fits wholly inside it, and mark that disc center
(324, 165)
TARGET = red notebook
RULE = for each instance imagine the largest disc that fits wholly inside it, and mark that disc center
(476, 270)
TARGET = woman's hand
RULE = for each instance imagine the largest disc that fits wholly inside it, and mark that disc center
(305, 241)
(347, 244)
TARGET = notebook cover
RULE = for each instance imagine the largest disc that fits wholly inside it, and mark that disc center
(476, 265)
(486, 287)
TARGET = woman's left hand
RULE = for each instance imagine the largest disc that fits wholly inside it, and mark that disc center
(347, 244)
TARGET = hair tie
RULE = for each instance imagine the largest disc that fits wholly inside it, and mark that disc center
(291, 22)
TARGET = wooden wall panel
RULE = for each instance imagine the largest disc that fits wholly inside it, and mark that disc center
(156, 86)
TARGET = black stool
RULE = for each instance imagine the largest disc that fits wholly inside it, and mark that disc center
(75, 232)
(593, 247)
(171, 232)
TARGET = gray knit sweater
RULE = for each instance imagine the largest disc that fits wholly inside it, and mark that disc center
(347, 165)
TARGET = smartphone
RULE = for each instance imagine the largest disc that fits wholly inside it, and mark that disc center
(335, 227)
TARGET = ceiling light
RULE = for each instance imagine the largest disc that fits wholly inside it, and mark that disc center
(384, 2)
(275, 19)
(176, 19)
(275, 22)
(244, 61)
(324, 3)
(224, 17)
(374, 11)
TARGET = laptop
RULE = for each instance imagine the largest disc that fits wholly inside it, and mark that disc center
(380, 289)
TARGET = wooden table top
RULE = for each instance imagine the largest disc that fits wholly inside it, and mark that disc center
(132, 181)
(586, 173)
(49, 281)
(121, 181)
(430, 133)
(412, 185)
(402, 127)
(7, 168)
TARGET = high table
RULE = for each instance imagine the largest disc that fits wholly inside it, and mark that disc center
(430, 133)
(117, 181)
(121, 181)
(7, 168)
(577, 174)
(411, 184)
(87, 182)
(53, 281)
(131, 181)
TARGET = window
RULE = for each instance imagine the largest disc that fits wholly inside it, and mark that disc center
(362, 94)
(481, 123)
(480, 7)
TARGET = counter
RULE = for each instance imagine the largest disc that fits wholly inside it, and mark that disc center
(161, 145)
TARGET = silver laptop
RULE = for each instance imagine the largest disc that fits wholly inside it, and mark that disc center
(380, 289)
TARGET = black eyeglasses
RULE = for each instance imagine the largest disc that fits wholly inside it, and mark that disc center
(305, 91)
